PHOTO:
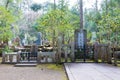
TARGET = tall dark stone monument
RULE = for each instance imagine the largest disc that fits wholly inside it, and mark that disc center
(80, 44)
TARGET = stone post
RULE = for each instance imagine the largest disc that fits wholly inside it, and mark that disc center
(72, 52)
(103, 53)
(3, 57)
(10, 58)
(115, 57)
(46, 58)
(39, 57)
(53, 56)
(96, 50)
(66, 56)
(18, 57)
(109, 55)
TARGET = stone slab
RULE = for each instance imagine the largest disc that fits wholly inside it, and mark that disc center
(92, 71)
(25, 65)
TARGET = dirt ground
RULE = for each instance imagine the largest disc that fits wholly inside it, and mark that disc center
(41, 72)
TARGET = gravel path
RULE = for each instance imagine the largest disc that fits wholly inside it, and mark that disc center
(9, 72)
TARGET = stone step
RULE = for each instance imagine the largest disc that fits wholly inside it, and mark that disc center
(28, 62)
(25, 65)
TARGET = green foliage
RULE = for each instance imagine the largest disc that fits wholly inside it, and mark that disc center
(109, 24)
(105, 22)
(59, 20)
(6, 20)
(6, 49)
(9, 16)
(74, 18)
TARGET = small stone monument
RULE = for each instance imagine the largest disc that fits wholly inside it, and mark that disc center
(39, 39)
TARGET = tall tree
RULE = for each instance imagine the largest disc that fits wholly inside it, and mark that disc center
(96, 5)
(110, 20)
(8, 19)
(81, 14)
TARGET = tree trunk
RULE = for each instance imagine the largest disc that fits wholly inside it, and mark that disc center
(8, 1)
(54, 4)
(106, 4)
(96, 5)
(81, 14)
(63, 38)
(53, 40)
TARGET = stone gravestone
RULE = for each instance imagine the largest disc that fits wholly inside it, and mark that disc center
(39, 39)
(25, 40)
(80, 44)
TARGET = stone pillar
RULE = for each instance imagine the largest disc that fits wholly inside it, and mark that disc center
(3, 57)
(59, 49)
(96, 50)
(103, 53)
(72, 52)
(39, 57)
(66, 56)
(18, 56)
(10, 58)
(109, 57)
(46, 58)
(115, 57)
(53, 56)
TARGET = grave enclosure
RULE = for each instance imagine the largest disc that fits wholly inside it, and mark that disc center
(25, 55)
(77, 51)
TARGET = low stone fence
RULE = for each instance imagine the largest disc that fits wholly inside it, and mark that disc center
(102, 51)
(11, 57)
(46, 57)
(15, 57)
(116, 57)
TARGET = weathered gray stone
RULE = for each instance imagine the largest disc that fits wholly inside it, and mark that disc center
(92, 71)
